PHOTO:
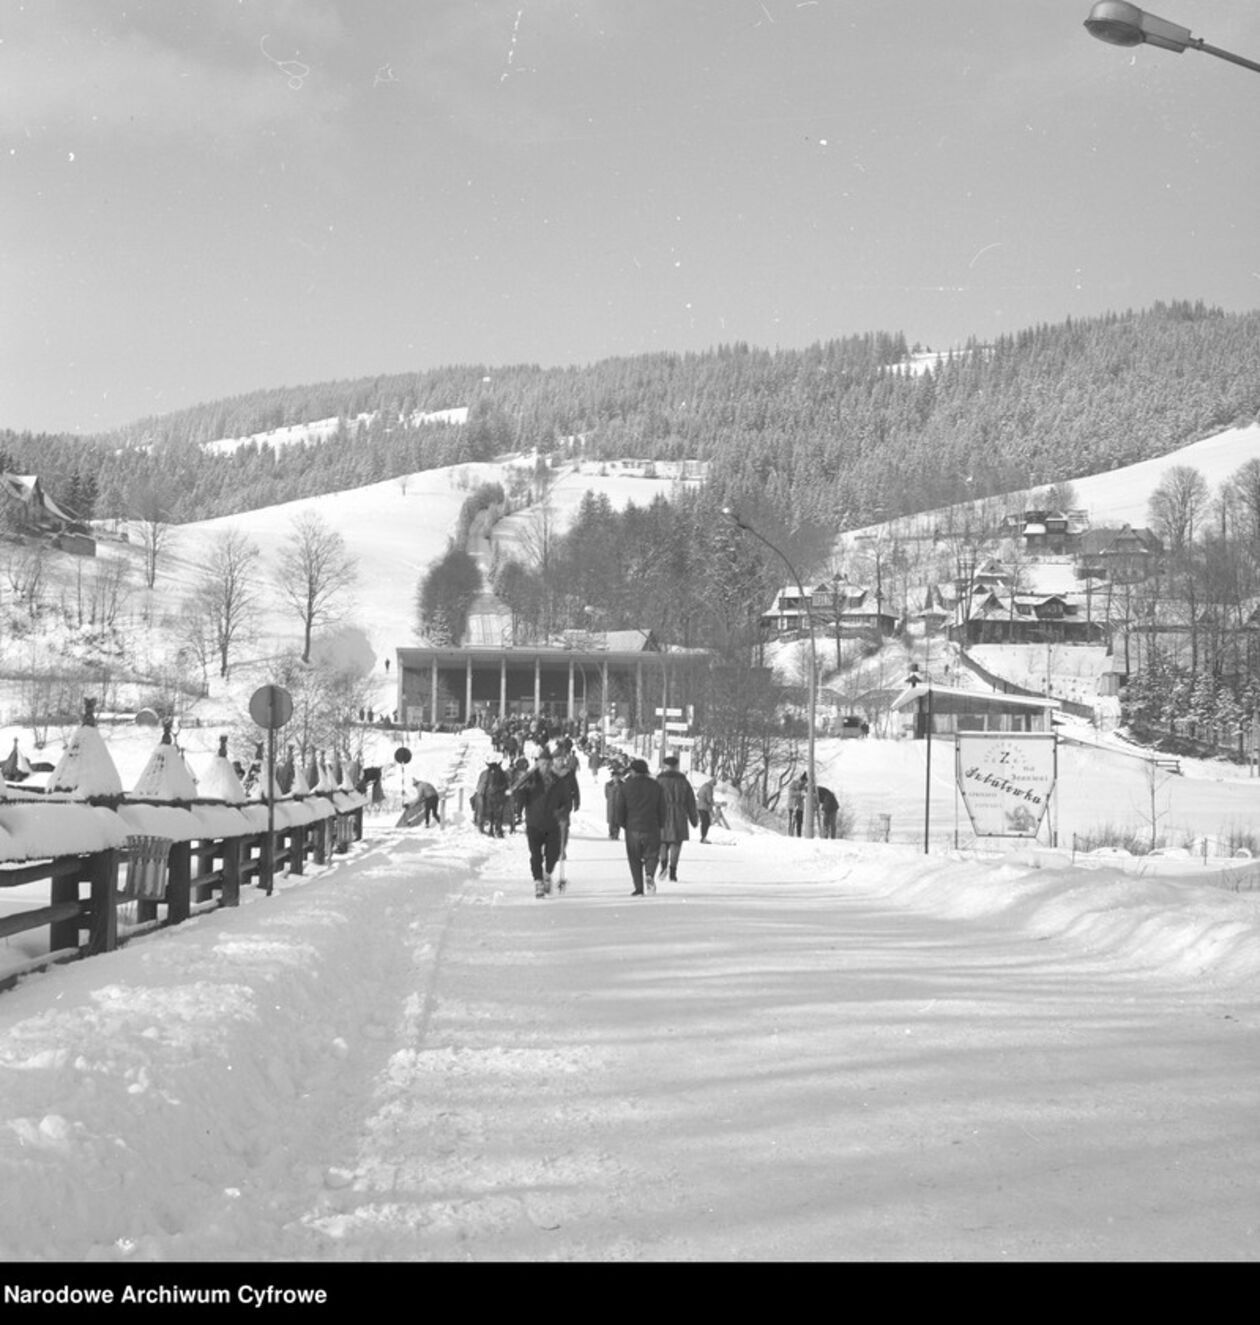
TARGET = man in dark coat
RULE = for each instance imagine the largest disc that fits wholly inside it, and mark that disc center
(639, 808)
(610, 794)
(680, 812)
(490, 798)
(547, 800)
(829, 808)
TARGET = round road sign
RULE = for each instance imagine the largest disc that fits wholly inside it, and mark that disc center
(271, 706)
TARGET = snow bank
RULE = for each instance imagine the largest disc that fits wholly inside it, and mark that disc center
(1179, 924)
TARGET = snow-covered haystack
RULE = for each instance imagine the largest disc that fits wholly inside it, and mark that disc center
(219, 781)
(326, 782)
(299, 786)
(166, 777)
(86, 768)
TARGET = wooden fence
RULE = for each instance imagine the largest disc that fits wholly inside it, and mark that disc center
(155, 864)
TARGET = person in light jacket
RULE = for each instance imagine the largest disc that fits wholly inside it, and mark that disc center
(704, 808)
(681, 814)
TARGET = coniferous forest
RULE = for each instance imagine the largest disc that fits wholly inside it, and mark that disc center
(836, 435)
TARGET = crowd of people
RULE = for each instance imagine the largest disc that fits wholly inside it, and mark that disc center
(530, 782)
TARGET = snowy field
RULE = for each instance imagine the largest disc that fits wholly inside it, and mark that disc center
(394, 530)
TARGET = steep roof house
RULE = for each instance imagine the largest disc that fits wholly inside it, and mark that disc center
(993, 617)
(42, 515)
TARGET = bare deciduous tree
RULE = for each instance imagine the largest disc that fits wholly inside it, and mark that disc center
(224, 603)
(151, 508)
(1244, 485)
(1177, 505)
(314, 575)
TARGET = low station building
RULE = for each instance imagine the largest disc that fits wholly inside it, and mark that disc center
(453, 687)
(942, 710)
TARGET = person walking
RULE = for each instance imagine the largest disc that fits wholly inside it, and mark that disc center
(639, 808)
(704, 809)
(610, 792)
(515, 806)
(546, 798)
(796, 804)
(829, 808)
(492, 787)
(681, 814)
(566, 766)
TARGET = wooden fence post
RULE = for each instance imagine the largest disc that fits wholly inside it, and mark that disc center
(178, 876)
(230, 894)
(297, 849)
(102, 877)
(319, 852)
(64, 933)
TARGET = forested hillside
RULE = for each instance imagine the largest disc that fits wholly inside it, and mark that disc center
(835, 435)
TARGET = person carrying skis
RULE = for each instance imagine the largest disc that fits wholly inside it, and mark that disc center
(546, 798)
(566, 766)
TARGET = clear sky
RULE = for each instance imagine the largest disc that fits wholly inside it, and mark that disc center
(203, 197)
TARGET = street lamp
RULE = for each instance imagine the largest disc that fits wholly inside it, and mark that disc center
(1123, 24)
(811, 792)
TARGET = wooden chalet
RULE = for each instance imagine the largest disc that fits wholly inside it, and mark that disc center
(995, 617)
(853, 607)
(44, 517)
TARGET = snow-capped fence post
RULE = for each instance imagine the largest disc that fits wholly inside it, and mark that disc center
(63, 933)
(178, 883)
(230, 889)
(319, 847)
(170, 848)
(297, 849)
(101, 875)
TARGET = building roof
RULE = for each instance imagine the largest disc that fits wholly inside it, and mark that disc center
(976, 699)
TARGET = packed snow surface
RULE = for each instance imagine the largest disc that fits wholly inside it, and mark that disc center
(799, 1050)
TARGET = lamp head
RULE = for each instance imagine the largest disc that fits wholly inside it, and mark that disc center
(1123, 24)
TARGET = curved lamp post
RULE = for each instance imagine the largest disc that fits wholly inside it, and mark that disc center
(811, 792)
(1123, 24)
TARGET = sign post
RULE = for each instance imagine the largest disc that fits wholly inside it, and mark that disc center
(1006, 780)
(402, 757)
(270, 707)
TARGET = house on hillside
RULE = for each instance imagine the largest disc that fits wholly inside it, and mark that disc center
(994, 617)
(838, 602)
(1123, 556)
(1046, 531)
(40, 514)
(935, 609)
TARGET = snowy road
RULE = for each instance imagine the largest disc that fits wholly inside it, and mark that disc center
(411, 1058)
